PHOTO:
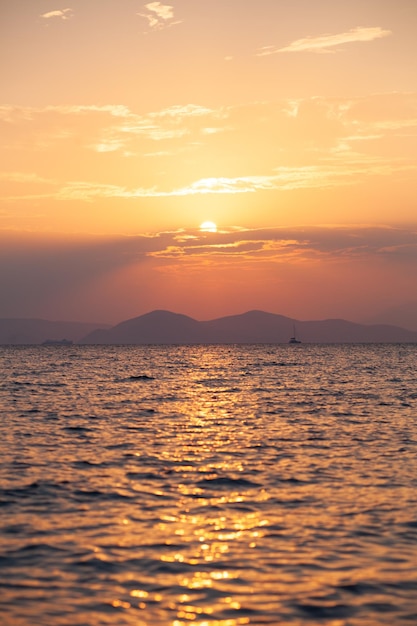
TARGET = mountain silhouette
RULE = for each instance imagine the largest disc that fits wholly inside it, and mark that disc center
(158, 327)
(165, 327)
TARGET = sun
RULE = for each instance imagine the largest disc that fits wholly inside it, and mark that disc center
(208, 227)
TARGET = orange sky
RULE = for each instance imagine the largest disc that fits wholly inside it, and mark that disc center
(291, 124)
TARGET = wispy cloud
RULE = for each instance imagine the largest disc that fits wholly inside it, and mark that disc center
(159, 15)
(23, 177)
(326, 143)
(63, 14)
(337, 241)
(85, 276)
(289, 178)
(341, 242)
(183, 111)
(110, 128)
(323, 43)
(284, 179)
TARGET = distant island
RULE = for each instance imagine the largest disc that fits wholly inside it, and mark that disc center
(30, 331)
(166, 327)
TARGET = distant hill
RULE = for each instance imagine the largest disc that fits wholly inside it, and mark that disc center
(404, 315)
(33, 331)
(164, 327)
(157, 327)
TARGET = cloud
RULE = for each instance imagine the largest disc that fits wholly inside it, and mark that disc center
(108, 145)
(162, 11)
(159, 16)
(285, 179)
(183, 111)
(63, 14)
(24, 177)
(323, 244)
(15, 114)
(324, 42)
(108, 128)
(324, 143)
(102, 254)
(73, 277)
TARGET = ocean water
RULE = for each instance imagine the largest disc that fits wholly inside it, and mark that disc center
(208, 485)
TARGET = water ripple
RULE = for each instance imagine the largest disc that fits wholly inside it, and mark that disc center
(208, 486)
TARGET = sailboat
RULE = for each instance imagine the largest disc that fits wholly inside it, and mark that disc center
(294, 339)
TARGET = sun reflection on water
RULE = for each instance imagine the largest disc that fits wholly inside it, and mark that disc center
(213, 521)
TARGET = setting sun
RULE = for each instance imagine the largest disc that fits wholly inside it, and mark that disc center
(208, 227)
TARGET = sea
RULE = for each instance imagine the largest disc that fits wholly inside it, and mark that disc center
(210, 485)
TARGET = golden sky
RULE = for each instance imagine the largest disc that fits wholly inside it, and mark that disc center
(290, 124)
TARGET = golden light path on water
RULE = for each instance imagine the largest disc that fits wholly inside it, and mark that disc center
(209, 486)
(206, 537)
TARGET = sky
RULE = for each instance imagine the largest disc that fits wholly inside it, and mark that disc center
(289, 126)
